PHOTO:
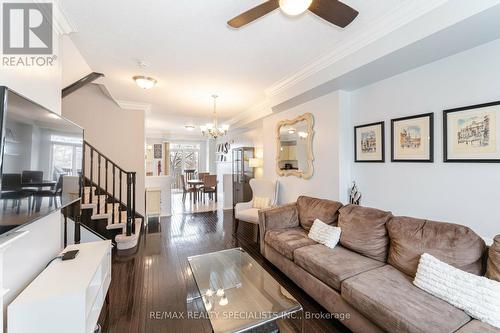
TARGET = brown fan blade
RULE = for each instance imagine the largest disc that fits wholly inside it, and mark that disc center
(254, 13)
(334, 11)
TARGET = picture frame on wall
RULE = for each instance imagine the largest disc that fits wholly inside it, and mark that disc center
(369, 142)
(412, 138)
(157, 150)
(470, 134)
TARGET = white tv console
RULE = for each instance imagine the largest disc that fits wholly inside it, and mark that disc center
(67, 296)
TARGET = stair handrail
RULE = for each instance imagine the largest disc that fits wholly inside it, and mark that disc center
(130, 186)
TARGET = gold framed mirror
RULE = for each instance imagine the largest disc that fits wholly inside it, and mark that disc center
(294, 156)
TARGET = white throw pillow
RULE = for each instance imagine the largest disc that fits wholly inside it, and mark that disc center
(478, 296)
(324, 234)
(261, 202)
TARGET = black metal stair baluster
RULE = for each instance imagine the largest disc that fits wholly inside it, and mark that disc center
(106, 187)
(129, 194)
(91, 174)
(114, 196)
(98, 183)
(120, 202)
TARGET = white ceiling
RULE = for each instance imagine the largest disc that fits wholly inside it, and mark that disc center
(193, 53)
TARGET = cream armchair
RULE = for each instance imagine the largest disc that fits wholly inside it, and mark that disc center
(247, 211)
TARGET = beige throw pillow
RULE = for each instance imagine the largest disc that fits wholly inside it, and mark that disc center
(478, 296)
(324, 234)
(261, 202)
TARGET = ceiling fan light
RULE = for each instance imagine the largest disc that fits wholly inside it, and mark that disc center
(144, 82)
(294, 7)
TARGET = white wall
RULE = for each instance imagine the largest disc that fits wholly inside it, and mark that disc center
(465, 193)
(27, 256)
(75, 66)
(117, 133)
(329, 112)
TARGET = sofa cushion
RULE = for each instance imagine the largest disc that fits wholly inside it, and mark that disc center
(389, 299)
(454, 244)
(332, 266)
(285, 241)
(363, 231)
(476, 326)
(311, 209)
(493, 270)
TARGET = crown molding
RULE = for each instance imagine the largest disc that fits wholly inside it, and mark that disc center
(391, 21)
(123, 104)
(253, 113)
(131, 105)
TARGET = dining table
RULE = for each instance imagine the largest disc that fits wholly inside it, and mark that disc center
(195, 183)
(40, 184)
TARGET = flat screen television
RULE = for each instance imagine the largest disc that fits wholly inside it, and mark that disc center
(41, 160)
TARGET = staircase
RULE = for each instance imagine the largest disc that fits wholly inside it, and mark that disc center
(108, 199)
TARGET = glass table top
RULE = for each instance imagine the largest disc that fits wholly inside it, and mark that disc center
(238, 294)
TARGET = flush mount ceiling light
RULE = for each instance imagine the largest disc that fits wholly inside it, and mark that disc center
(189, 127)
(144, 82)
(294, 7)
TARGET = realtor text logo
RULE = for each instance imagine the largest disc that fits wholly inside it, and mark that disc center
(27, 28)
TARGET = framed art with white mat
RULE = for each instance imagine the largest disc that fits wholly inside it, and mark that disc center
(470, 133)
(412, 138)
(369, 143)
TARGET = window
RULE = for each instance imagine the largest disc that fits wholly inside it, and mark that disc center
(66, 155)
(183, 156)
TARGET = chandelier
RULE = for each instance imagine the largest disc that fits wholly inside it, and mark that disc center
(212, 129)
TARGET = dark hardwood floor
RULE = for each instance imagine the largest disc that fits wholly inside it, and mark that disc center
(153, 283)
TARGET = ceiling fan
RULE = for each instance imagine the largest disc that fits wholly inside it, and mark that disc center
(333, 11)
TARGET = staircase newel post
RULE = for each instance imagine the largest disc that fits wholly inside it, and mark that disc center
(133, 201)
(82, 174)
(98, 183)
(114, 196)
(129, 210)
(91, 174)
(106, 186)
(76, 214)
(120, 204)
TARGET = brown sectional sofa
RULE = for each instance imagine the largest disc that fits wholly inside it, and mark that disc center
(369, 274)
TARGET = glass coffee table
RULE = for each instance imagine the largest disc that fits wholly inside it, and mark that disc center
(239, 295)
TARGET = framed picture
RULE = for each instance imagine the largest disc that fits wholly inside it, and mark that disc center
(157, 150)
(412, 138)
(369, 143)
(470, 133)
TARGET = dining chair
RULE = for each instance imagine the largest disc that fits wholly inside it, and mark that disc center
(52, 194)
(13, 190)
(201, 175)
(209, 187)
(189, 173)
(186, 189)
(32, 176)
